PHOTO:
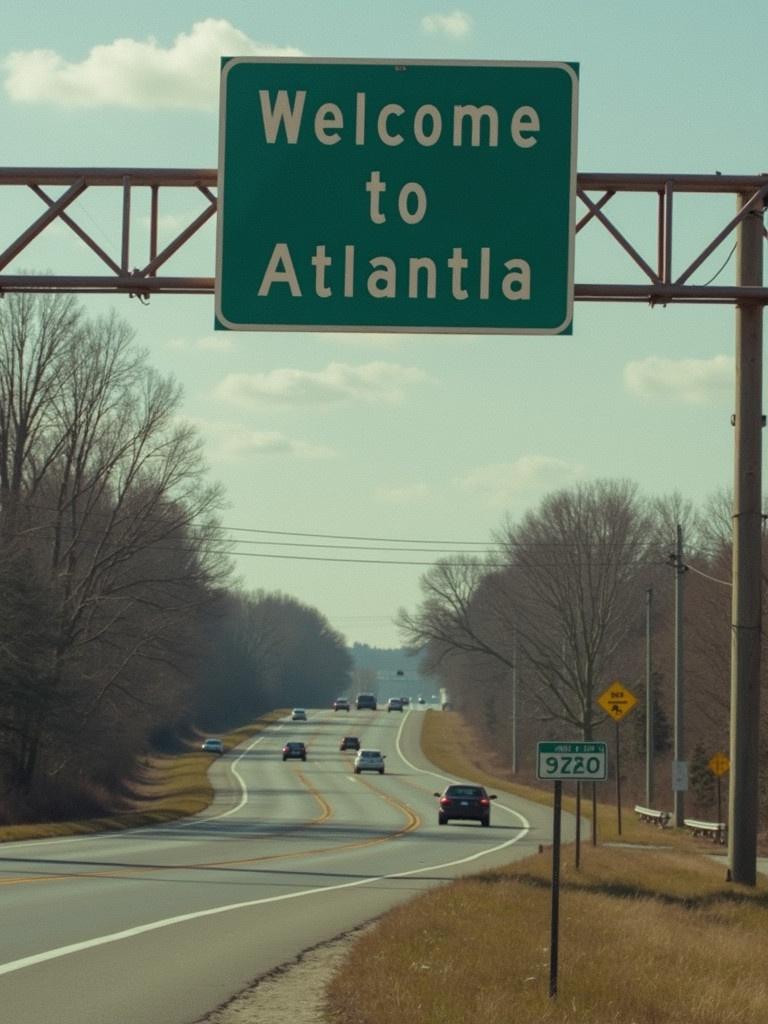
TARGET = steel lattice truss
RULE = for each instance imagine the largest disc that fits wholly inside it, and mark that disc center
(143, 276)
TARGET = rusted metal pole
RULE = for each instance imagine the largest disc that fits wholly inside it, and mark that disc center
(680, 779)
(649, 708)
(746, 609)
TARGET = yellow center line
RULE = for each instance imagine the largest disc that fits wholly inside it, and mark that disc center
(412, 819)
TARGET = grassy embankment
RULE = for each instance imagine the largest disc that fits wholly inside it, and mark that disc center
(647, 935)
(169, 787)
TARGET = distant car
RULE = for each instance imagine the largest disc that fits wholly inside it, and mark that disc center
(405, 701)
(421, 700)
(294, 750)
(464, 803)
(394, 704)
(298, 715)
(341, 704)
(369, 761)
(349, 743)
(366, 701)
(212, 746)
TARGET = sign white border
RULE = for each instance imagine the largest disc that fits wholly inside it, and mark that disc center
(231, 62)
(568, 749)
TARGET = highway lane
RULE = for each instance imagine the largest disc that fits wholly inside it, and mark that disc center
(162, 925)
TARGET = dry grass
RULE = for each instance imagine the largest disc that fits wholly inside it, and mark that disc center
(169, 787)
(646, 936)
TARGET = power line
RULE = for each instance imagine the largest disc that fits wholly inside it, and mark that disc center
(341, 536)
(355, 547)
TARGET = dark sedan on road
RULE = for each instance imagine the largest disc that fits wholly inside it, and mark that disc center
(349, 743)
(295, 750)
(464, 803)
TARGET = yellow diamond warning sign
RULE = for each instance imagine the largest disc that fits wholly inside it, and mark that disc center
(617, 700)
(719, 763)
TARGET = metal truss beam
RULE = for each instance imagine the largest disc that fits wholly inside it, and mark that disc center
(655, 283)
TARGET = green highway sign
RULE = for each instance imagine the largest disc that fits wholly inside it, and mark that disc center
(574, 762)
(372, 195)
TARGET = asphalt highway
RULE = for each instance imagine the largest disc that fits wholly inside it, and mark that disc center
(162, 925)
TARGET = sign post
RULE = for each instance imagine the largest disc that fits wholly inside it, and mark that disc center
(374, 195)
(719, 764)
(617, 701)
(574, 762)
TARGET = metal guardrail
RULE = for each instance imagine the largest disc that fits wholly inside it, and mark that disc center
(717, 831)
(659, 818)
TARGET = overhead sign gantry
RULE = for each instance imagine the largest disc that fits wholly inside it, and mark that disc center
(415, 196)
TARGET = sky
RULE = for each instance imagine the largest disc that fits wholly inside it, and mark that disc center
(350, 461)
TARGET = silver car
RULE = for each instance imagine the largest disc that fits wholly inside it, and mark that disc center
(369, 761)
(212, 746)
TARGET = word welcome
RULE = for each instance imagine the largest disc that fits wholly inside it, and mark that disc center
(468, 124)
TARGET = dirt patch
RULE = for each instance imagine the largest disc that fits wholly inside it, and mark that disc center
(293, 993)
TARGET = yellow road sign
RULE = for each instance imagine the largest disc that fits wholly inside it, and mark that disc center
(719, 763)
(617, 700)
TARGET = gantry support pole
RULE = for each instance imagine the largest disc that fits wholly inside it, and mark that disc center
(747, 570)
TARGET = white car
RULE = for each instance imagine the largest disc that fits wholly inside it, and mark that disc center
(369, 761)
(212, 746)
(395, 704)
(298, 715)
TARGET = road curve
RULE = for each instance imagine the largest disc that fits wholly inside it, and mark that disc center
(162, 925)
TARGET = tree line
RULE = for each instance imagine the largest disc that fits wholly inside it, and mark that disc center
(526, 639)
(120, 624)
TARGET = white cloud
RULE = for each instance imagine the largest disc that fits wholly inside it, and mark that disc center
(691, 380)
(408, 495)
(209, 343)
(395, 339)
(231, 441)
(215, 343)
(136, 73)
(504, 483)
(361, 339)
(372, 382)
(457, 24)
(241, 442)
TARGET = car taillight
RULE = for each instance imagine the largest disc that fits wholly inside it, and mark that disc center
(445, 800)
(484, 801)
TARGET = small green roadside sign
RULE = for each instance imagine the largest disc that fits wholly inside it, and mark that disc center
(372, 195)
(572, 762)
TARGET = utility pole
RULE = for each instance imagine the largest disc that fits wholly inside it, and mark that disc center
(514, 702)
(649, 739)
(679, 768)
(746, 606)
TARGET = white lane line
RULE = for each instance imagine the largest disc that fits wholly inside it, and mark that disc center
(183, 823)
(447, 778)
(78, 947)
(241, 782)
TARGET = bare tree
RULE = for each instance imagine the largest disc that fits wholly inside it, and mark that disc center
(38, 336)
(104, 488)
(576, 569)
(580, 564)
(465, 608)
